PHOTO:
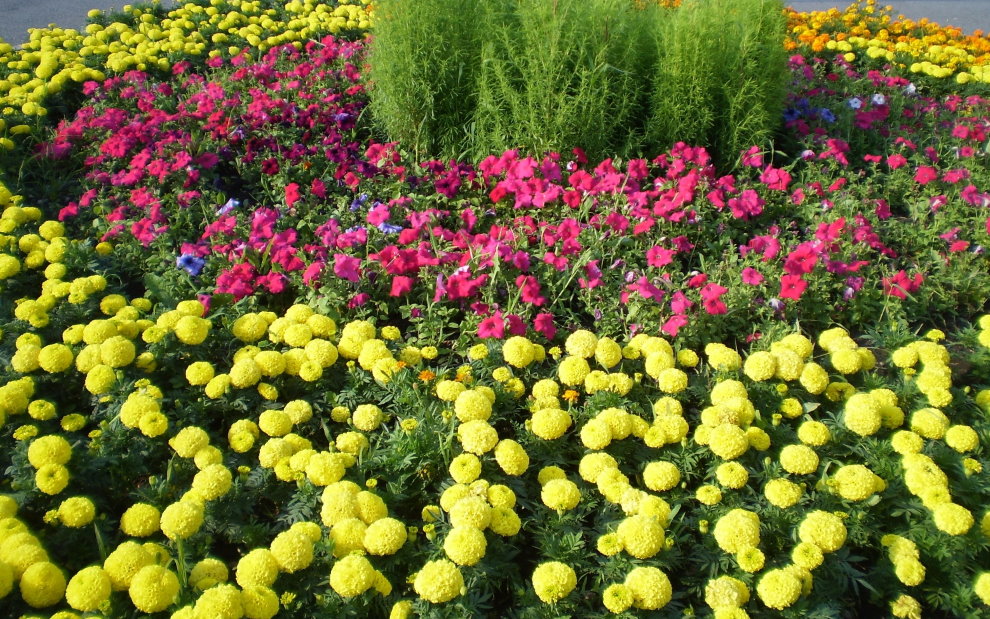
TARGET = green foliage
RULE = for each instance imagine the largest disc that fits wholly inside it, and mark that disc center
(601, 75)
(424, 62)
(720, 76)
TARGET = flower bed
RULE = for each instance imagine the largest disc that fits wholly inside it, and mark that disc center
(259, 360)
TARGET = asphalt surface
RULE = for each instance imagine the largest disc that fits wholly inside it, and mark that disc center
(16, 16)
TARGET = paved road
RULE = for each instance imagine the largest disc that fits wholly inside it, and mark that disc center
(16, 16)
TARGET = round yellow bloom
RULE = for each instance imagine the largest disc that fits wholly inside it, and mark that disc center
(153, 589)
(192, 330)
(257, 568)
(737, 530)
(952, 518)
(212, 482)
(617, 598)
(385, 537)
(814, 378)
(553, 581)
(962, 438)
(470, 511)
(929, 423)
(511, 457)
(88, 589)
(77, 511)
(259, 602)
(726, 592)
(352, 575)
(728, 441)
(42, 585)
(650, 588)
(50, 449)
(471, 405)
(140, 520)
(560, 495)
(782, 493)
(807, 555)
(824, 530)
(799, 459)
(862, 414)
(573, 370)
(661, 476)
(438, 581)
(477, 437)
(518, 351)
(732, 475)
(760, 366)
(52, 478)
(188, 441)
(292, 550)
(607, 352)
(814, 433)
(124, 562)
(181, 519)
(779, 589)
(465, 545)
(855, 482)
(641, 536)
(221, 602)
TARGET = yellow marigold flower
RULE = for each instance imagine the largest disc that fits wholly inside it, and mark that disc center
(260, 602)
(641, 536)
(188, 441)
(292, 550)
(728, 441)
(181, 520)
(905, 607)
(560, 495)
(650, 588)
(726, 592)
(661, 476)
(760, 366)
(799, 459)
(385, 536)
(672, 380)
(906, 442)
(904, 357)
(952, 518)
(617, 598)
(732, 475)
(861, 414)
(52, 478)
(192, 330)
(352, 576)
(42, 585)
(814, 378)
(779, 589)
(981, 587)
(221, 601)
(438, 581)
(722, 358)
(465, 468)
(76, 512)
(88, 589)
(806, 555)
(472, 404)
(855, 482)
(518, 351)
(470, 511)
(814, 433)
(140, 520)
(573, 370)
(782, 493)
(929, 423)
(824, 530)
(257, 568)
(737, 530)
(505, 522)
(750, 559)
(50, 449)
(477, 437)
(511, 457)
(550, 423)
(553, 581)
(124, 562)
(962, 438)
(153, 589)
(465, 545)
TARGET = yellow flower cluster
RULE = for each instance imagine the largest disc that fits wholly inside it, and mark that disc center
(866, 29)
(903, 553)
(54, 58)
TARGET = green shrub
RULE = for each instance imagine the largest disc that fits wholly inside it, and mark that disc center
(565, 73)
(721, 76)
(424, 62)
(453, 78)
